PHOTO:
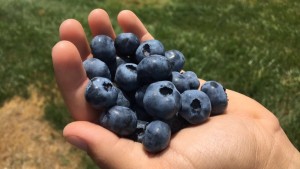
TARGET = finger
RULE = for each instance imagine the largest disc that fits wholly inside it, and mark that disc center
(71, 80)
(100, 24)
(108, 150)
(71, 30)
(129, 22)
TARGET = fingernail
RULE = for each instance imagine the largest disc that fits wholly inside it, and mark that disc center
(77, 142)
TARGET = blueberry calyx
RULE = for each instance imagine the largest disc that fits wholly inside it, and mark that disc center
(107, 86)
(196, 105)
(131, 68)
(146, 50)
(165, 91)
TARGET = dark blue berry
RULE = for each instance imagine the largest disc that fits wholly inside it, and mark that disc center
(101, 93)
(120, 120)
(195, 106)
(156, 137)
(147, 48)
(152, 69)
(192, 79)
(96, 68)
(103, 48)
(126, 44)
(217, 95)
(126, 77)
(180, 81)
(162, 100)
(176, 58)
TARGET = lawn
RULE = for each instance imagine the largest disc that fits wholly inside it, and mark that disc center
(250, 46)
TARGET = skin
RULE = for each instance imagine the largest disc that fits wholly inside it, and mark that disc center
(247, 135)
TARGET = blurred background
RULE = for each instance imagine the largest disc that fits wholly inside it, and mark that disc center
(249, 46)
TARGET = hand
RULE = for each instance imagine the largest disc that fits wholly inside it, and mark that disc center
(247, 135)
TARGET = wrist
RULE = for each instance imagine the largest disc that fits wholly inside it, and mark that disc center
(284, 154)
(295, 161)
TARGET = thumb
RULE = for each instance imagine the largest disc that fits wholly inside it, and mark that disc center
(103, 146)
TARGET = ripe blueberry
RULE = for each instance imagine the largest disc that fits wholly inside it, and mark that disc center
(152, 69)
(180, 81)
(217, 95)
(126, 77)
(101, 93)
(103, 48)
(120, 120)
(176, 58)
(126, 44)
(162, 100)
(192, 79)
(195, 106)
(156, 137)
(147, 48)
(96, 68)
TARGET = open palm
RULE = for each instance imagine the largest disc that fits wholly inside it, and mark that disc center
(246, 136)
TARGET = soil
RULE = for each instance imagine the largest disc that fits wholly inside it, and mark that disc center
(27, 140)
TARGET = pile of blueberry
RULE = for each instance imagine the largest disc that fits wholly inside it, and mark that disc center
(141, 93)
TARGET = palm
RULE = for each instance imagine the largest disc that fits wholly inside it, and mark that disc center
(222, 142)
(207, 144)
(202, 145)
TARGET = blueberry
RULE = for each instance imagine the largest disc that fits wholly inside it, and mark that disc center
(217, 95)
(192, 79)
(96, 68)
(180, 81)
(195, 106)
(120, 120)
(147, 48)
(126, 77)
(176, 58)
(103, 48)
(126, 44)
(156, 137)
(141, 93)
(122, 99)
(162, 100)
(152, 69)
(101, 93)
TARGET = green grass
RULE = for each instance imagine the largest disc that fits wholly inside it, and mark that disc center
(249, 46)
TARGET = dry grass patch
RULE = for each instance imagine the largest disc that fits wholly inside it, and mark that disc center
(28, 141)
